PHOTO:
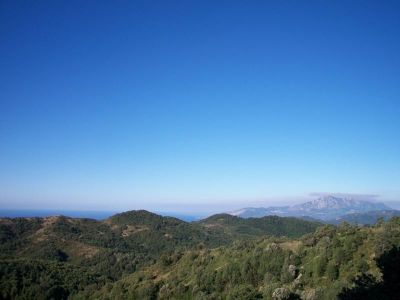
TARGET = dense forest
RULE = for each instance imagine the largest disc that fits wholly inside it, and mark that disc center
(141, 255)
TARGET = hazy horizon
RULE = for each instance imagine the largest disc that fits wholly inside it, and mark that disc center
(202, 107)
(196, 209)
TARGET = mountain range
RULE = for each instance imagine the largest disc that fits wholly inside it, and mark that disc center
(74, 254)
(142, 233)
(326, 208)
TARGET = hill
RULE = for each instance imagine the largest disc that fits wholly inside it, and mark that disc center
(342, 262)
(270, 225)
(114, 247)
(105, 251)
(367, 218)
(141, 255)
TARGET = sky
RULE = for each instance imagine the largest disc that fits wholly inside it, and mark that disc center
(197, 105)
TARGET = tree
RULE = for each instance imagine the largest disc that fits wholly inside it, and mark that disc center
(332, 270)
(368, 288)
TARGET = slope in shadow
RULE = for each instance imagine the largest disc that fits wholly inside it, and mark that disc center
(366, 287)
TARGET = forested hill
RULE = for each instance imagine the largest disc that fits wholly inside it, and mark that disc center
(237, 227)
(96, 252)
(60, 257)
(344, 262)
(136, 237)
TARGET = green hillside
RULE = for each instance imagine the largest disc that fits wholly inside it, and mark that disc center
(237, 228)
(330, 264)
(141, 255)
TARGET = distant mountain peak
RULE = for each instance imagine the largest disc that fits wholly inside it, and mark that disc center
(325, 207)
(334, 202)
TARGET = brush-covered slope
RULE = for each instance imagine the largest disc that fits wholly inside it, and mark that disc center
(114, 247)
(86, 253)
(140, 235)
(51, 249)
(132, 238)
(150, 233)
(344, 262)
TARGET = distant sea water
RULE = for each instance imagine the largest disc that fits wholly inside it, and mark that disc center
(186, 218)
(91, 214)
(17, 213)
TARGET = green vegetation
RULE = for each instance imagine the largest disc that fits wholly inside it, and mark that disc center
(38, 279)
(228, 226)
(140, 255)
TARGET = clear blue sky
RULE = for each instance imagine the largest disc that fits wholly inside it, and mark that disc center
(156, 104)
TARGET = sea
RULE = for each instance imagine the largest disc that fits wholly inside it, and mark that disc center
(91, 214)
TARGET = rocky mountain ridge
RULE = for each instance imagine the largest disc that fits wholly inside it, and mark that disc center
(324, 208)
